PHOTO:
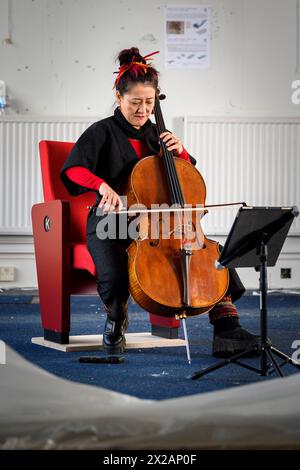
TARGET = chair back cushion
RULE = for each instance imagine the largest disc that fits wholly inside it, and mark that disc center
(53, 155)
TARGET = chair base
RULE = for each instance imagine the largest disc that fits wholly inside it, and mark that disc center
(94, 342)
(156, 330)
(164, 332)
(56, 336)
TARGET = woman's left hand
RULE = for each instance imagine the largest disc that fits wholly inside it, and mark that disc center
(172, 142)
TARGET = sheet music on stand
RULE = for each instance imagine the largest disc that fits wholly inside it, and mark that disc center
(251, 222)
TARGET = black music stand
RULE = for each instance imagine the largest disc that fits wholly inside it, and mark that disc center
(255, 240)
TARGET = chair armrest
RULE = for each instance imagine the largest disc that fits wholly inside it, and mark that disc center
(55, 212)
(51, 234)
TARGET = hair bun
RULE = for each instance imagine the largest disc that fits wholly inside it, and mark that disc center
(126, 56)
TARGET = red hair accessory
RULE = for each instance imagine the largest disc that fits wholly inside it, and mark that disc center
(135, 67)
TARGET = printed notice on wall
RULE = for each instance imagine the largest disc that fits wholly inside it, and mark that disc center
(187, 40)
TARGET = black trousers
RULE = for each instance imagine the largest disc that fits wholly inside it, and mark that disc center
(111, 261)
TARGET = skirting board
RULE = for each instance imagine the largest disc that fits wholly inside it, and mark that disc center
(94, 342)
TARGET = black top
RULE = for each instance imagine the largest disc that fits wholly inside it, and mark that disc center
(105, 150)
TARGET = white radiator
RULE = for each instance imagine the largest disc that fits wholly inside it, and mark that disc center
(251, 160)
(242, 159)
(20, 174)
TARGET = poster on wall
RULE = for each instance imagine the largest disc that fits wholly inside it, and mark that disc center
(187, 36)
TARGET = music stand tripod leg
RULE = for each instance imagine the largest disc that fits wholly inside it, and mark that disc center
(274, 362)
(285, 357)
(267, 347)
(225, 362)
(262, 250)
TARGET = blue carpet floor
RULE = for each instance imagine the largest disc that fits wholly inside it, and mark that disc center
(149, 373)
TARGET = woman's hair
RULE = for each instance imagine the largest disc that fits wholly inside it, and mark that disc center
(134, 69)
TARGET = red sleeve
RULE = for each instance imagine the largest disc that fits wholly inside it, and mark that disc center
(84, 177)
(184, 155)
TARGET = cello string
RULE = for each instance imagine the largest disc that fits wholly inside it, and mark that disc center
(183, 221)
(177, 179)
(176, 194)
(172, 168)
(161, 127)
(166, 161)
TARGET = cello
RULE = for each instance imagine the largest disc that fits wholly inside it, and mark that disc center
(171, 272)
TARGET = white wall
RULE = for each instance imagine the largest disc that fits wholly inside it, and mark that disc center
(61, 60)
(57, 58)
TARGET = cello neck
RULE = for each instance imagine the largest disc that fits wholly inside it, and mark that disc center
(169, 165)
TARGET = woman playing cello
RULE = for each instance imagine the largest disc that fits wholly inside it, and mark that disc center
(99, 161)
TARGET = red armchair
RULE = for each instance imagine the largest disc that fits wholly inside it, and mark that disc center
(64, 264)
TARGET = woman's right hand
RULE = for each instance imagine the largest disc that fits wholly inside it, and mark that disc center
(111, 201)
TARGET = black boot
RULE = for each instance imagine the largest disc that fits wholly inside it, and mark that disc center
(230, 338)
(114, 341)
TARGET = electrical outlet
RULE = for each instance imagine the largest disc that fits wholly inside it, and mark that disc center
(285, 273)
(7, 273)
